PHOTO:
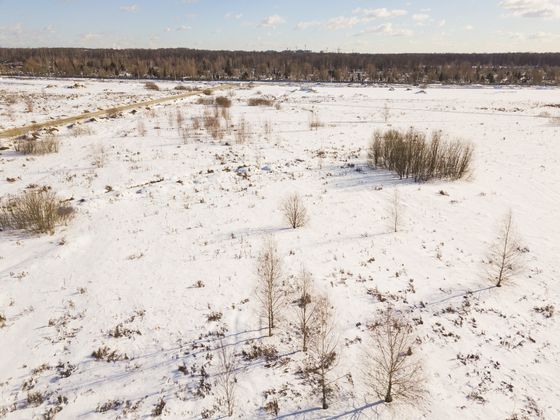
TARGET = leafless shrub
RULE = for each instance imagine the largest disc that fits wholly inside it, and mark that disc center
(259, 351)
(386, 113)
(242, 132)
(106, 354)
(260, 101)
(267, 128)
(314, 121)
(212, 124)
(323, 356)
(2, 320)
(141, 128)
(35, 399)
(391, 371)
(32, 146)
(185, 134)
(547, 311)
(294, 211)
(196, 123)
(109, 406)
(79, 130)
(272, 407)
(223, 102)
(151, 86)
(99, 156)
(505, 254)
(395, 210)
(35, 211)
(208, 91)
(412, 154)
(182, 87)
(306, 310)
(205, 101)
(226, 379)
(179, 119)
(214, 316)
(269, 286)
(29, 104)
(158, 408)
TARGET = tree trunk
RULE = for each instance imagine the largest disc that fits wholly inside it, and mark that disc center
(324, 399)
(388, 397)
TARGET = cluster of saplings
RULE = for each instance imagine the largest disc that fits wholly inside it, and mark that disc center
(412, 154)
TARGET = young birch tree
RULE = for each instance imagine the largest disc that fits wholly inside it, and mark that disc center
(294, 211)
(324, 356)
(391, 371)
(269, 289)
(306, 308)
(505, 253)
(226, 378)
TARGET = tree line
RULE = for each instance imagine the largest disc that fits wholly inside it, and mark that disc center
(191, 64)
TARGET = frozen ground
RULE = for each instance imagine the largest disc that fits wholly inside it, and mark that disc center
(135, 251)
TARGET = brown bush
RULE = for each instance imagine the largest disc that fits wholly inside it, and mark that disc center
(260, 101)
(205, 101)
(35, 146)
(35, 211)
(314, 121)
(212, 124)
(151, 86)
(412, 154)
(242, 132)
(223, 102)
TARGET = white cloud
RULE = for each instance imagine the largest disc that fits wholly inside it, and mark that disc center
(343, 22)
(182, 28)
(420, 18)
(308, 24)
(272, 21)
(90, 37)
(387, 29)
(131, 8)
(469, 28)
(233, 16)
(442, 23)
(532, 8)
(380, 13)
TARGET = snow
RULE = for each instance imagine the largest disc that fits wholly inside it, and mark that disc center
(135, 252)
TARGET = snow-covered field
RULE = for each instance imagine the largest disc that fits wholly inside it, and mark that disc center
(137, 252)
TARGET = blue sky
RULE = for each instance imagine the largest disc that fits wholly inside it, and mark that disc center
(348, 26)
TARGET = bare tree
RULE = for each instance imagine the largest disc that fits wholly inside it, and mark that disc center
(323, 354)
(226, 379)
(294, 211)
(505, 253)
(386, 113)
(395, 210)
(306, 308)
(391, 371)
(269, 289)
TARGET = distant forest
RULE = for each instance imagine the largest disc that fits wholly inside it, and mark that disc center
(189, 64)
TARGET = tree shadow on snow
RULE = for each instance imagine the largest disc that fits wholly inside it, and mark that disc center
(353, 414)
(360, 176)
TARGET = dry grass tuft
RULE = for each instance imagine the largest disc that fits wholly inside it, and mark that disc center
(34, 211)
(34, 146)
(260, 101)
(223, 102)
(151, 86)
